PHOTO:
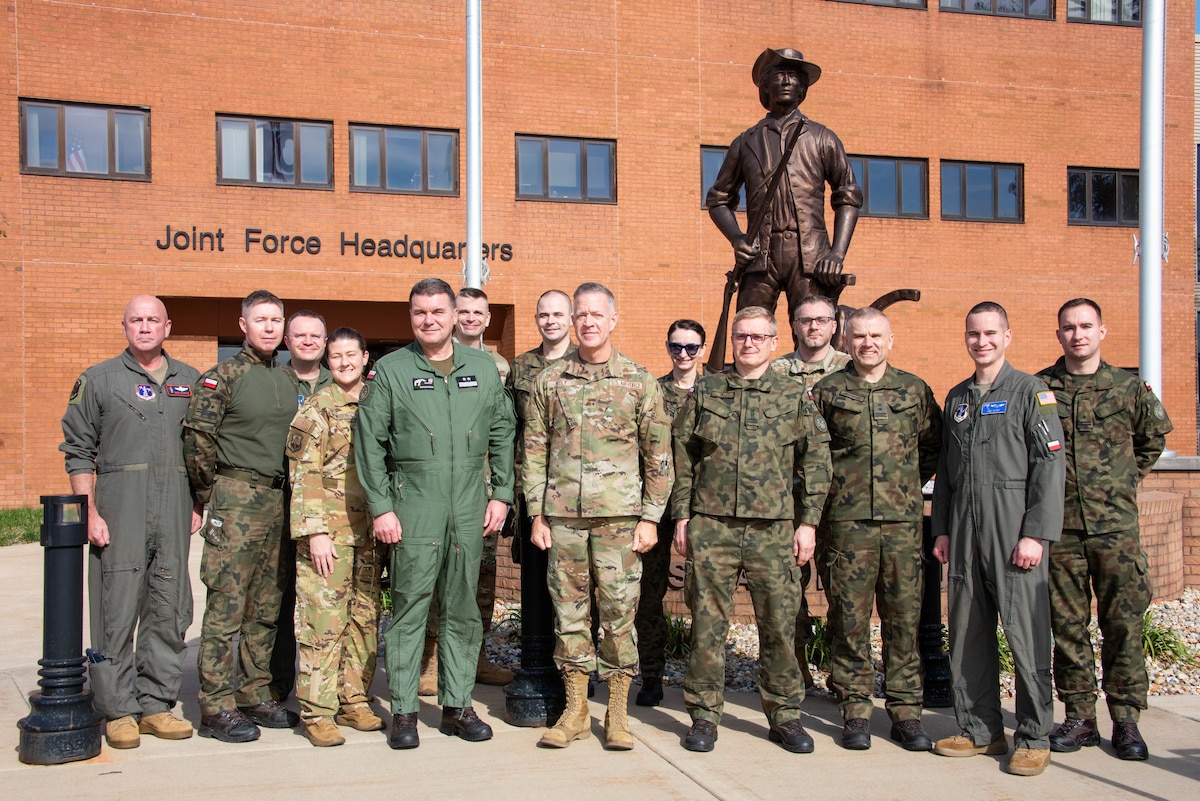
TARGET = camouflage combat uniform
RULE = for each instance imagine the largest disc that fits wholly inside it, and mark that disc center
(807, 374)
(421, 441)
(124, 427)
(741, 446)
(883, 439)
(283, 655)
(999, 478)
(337, 616)
(597, 459)
(1115, 429)
(233, 439)
(650, 621)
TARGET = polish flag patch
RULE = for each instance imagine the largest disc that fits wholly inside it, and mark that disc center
(1054, 445)
(371, 374)
(211, 383)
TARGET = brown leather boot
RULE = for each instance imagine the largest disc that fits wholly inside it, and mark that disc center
(575, 722)
(490, 673)
(616, 723)
(429, 668)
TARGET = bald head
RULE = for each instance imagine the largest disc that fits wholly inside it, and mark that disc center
(146, 326)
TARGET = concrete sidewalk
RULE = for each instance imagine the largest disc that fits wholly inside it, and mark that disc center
(282, 765)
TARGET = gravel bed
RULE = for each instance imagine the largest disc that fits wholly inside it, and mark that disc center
(503, 645)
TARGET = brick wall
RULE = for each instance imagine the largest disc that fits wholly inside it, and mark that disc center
(660, 78)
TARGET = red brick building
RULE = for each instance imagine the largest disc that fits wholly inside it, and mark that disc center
(201, 150)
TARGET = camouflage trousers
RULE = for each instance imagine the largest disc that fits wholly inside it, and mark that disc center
(240, 567)
(1116, 568)
(485, 594)
(337, 628)
(718, 547)
(585, 552)
(650, 620)
(864, 564)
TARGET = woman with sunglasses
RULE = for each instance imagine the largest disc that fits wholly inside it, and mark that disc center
(685, 344)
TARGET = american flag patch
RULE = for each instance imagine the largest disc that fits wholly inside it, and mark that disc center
(1046, 398)
(211, 383)
(1054, 445)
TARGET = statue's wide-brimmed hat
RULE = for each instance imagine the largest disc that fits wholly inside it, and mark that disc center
(785, 56)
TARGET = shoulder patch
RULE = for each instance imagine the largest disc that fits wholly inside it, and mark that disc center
(1046, 398)
(77, 390)
(211, 382)
(363, 391)
(820, 423)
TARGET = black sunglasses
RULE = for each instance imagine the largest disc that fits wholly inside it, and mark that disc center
(676, 348)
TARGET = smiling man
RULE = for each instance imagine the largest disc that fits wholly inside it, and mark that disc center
(124, 414)
(885, 431)
(1115, 431)
(233, 444)
(997, 502)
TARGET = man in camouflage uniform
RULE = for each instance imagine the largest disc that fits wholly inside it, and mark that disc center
(1115, 429)
(597, 477)
(305, 338)
(121, 440)
(885, 431)
(337, 557)
(685, 346)
(435, 426)
(745, 441)
(473, 318)
(233, 440)
(997, 502)
(813, 325)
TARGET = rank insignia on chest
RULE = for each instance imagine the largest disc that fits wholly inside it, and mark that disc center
(210, 383)
(467, 382)
(960, 413)
(145, 392)
(994, 407)
(422, 383)
(179, 391)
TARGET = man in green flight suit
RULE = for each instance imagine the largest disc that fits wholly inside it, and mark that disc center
(1115, 430)
(121, 440)
(433, 419)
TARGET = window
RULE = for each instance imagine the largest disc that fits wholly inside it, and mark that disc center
(710, 164)
(85, 141)
(891, 187)
(408, 160)
(1111, 12)
(1033, 9)
(272, 152)
(978, 191)
(573, 170)
(1102, 197)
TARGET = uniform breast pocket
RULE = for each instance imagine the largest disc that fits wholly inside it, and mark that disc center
(781, 423)
(713, 418)
(903, 417)
(844, 416)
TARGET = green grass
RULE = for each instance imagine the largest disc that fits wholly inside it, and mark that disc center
(1006, 655)
(679, 636)
(817, 649)
(1162, 644)
(20, 525)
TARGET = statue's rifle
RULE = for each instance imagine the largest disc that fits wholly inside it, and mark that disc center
(716, 357)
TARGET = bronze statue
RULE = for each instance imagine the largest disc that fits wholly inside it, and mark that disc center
(786, 248)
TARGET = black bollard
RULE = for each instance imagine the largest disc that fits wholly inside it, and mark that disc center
(932, 634)
(62, 725)
(535, 697)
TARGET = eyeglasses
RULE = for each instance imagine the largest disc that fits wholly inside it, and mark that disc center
(690, 348)
(807, 321)
(757, 339)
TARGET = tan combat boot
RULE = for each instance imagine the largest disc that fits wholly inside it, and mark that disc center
(575, 723)
(358, 716)
(490, 673)
(122, 732)
(616, 723)
(322, 733)
(429, 668)
(165, 726)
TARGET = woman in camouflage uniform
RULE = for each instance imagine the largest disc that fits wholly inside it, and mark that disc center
(337, 559)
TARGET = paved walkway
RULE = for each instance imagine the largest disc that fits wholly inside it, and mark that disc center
(282, 765)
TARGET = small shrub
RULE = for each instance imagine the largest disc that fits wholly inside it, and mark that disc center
(1163, 644)
(679, 637)
(817, 650)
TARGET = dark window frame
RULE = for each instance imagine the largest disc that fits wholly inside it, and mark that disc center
(1086, 18)
(1088, 197)
(994, 165)
(722, 149)
(1049, 15)
(60, 107)
(297, 165)
(899, 215)
(583, 142)
(383, 188)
